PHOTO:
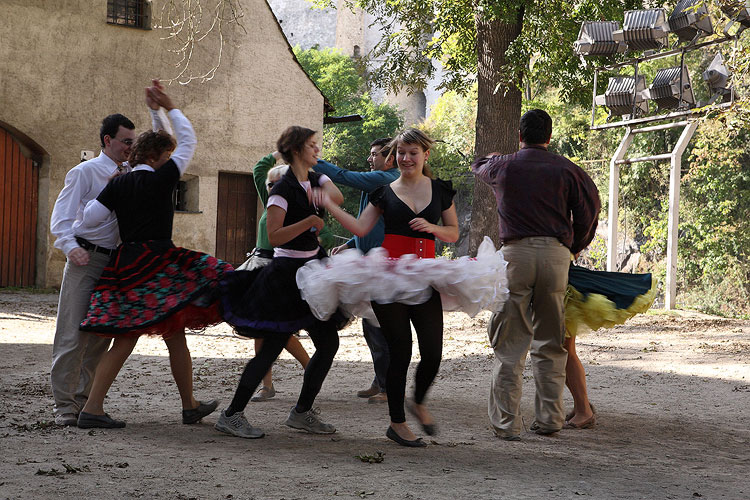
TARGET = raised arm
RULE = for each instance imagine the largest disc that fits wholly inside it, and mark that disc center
(159, 120)
(364, 181)
(186, 140)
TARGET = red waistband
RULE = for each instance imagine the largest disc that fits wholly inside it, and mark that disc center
(402, 245)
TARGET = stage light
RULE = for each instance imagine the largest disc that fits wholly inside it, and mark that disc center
(618, 97)
(717, 77)
(690, 20)
(595, 39)
(737, 12)
(644, 29)
(666, 92)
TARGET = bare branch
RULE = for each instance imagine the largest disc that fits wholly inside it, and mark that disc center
(190, 23)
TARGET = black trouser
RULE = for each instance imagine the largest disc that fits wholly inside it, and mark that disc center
(394, 321)
(326, 341)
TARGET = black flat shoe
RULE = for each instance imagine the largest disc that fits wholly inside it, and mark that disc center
(429, 429)
(91, 421)
(392, 435)
(194, 415)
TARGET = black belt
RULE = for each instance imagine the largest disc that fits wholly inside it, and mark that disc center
(263, 253)
(87, 245)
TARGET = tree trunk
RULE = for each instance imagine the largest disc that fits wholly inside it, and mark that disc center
(498, 117)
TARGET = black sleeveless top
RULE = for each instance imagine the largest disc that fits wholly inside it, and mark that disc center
(142, 201)
(397, 214)
(298, 208)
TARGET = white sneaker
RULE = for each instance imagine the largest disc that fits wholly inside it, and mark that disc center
(309, 422)
(237, 425)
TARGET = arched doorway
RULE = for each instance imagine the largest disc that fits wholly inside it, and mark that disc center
(19, 182)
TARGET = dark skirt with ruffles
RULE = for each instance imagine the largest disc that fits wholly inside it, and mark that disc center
(266, 300)
(155, 288)
(601, 299)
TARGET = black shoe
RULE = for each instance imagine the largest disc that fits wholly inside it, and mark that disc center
(204, 408)
(90, 421)
(429, 429)
(417, 443)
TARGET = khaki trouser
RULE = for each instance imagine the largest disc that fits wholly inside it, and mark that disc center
(75, 354)
(533, 317)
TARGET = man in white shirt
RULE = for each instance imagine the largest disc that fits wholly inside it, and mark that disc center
(75, 354)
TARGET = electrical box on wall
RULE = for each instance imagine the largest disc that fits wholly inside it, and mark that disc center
(86, 155)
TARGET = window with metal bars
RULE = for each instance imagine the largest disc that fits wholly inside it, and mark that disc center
(133, 13)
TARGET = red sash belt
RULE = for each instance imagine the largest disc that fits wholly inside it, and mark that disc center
(401, 245)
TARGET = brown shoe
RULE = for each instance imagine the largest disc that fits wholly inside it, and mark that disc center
(366, 393)
(380, 397)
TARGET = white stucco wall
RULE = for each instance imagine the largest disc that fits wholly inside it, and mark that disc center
(63, 69)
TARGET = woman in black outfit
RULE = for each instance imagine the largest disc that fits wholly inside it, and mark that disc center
(265, 303)
(150, 286)
(411, 206)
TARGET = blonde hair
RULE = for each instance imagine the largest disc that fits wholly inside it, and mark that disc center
(414, 136)
(276, 173)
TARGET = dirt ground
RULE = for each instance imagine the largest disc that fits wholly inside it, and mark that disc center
(672, 392)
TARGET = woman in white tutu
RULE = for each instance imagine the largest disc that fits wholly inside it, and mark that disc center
(411, 207)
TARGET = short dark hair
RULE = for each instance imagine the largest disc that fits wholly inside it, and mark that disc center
(293, 140)
(112, 123)
(383, 142)
(536, 127)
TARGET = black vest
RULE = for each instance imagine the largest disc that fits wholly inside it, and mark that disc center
(298, 208)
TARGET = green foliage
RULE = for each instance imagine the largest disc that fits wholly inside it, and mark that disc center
(451, 124)
(715, 213)
(347, 144)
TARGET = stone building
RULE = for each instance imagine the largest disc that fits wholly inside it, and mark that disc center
(355, 34)
(66, 65)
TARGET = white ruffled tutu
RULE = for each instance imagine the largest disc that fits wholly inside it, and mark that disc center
(351, 280)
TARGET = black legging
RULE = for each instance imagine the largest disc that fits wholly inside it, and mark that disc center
(326, 341)
(394, 323)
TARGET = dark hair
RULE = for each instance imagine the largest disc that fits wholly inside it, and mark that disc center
(150, 145)
(385, 145)
(536, 127)
(415, 136)
(293, 140)
(112, 123)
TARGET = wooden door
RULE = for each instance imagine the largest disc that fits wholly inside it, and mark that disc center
(19, 179)
(236, 217)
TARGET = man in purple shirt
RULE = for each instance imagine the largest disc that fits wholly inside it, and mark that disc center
(548, 209)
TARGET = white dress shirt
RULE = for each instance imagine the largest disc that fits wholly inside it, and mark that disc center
(83, 183)
(96, 214)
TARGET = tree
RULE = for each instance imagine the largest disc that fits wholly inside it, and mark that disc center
(347, 144)
(497, 44)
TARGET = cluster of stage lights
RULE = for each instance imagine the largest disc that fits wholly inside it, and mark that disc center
(648, 30)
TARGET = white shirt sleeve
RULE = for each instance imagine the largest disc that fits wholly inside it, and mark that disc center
(159, 121)
(323, 179)
(278, 201)
(186, 140)
(66, 209)
(94, 214)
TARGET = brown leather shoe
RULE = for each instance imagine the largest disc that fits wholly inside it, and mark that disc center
(366, 393)
(380, 397)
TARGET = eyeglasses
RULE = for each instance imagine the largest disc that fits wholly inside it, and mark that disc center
(127, 142)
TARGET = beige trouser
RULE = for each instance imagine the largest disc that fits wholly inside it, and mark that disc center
(532, 317)
(75, 354)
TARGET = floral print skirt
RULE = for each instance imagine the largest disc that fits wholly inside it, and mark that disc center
(155, 288)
